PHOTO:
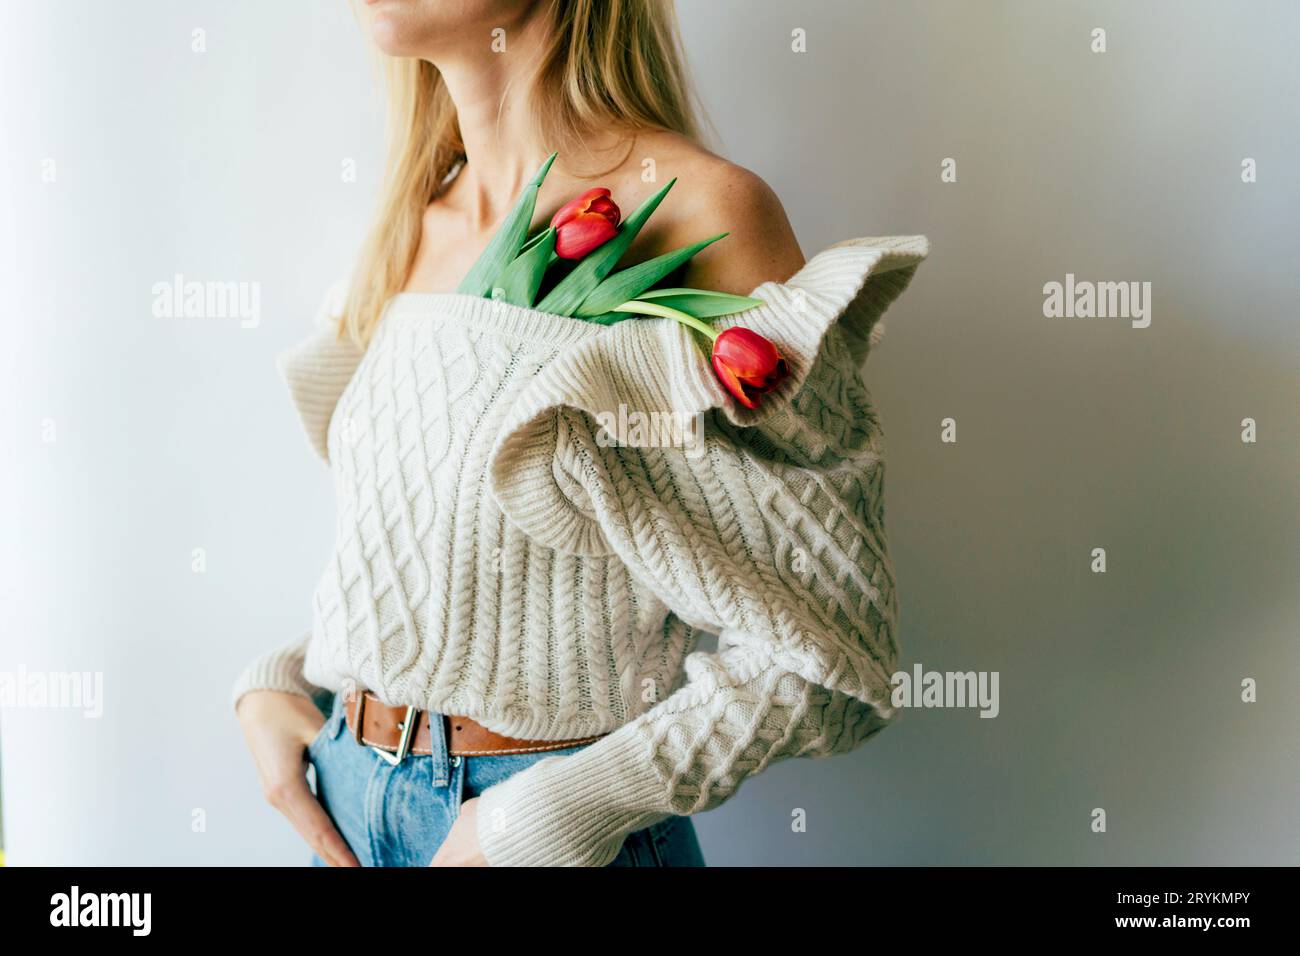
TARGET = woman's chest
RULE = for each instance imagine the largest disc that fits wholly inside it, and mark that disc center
(441, 270)
(428, 399)
(446, 252)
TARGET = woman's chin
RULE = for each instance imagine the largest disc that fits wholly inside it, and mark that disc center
(387, 37)
(397, 33)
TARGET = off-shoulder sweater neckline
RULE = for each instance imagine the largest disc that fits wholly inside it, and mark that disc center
(483, 314)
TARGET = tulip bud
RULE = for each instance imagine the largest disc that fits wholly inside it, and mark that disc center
(748, 365)
(584, 223)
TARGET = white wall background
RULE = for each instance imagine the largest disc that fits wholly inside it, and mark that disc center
(1118, 691)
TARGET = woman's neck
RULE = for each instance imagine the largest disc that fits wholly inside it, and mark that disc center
(494, 97)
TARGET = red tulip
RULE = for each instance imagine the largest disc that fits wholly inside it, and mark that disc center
(584, 223)
(748, 365)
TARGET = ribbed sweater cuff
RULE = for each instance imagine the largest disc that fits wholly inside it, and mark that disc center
(573, 810)
(280, 670)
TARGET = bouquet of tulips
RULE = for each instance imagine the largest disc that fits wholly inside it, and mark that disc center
(587, 231)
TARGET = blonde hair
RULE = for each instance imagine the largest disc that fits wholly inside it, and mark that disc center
(607, 63)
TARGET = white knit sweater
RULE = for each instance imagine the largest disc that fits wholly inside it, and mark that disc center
(500, 554)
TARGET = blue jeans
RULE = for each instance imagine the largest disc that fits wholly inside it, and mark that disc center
(399, 815)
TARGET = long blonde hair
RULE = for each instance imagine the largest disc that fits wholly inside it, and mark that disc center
(606, 63)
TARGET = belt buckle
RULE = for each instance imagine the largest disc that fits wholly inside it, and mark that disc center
(404, 742)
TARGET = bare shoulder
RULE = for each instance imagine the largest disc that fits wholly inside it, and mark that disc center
(713, 195)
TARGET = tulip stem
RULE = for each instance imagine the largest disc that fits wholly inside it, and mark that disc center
(640, 307)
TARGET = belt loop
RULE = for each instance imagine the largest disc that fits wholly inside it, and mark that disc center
(439, 759)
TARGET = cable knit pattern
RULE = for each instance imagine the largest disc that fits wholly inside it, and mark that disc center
(510, 546)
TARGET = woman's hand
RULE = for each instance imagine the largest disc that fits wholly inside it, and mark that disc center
(278, 728)
(461, 846)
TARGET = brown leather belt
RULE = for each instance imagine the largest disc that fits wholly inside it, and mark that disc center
(375, 724)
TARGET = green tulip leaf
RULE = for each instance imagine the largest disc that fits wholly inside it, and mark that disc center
(509, 239)
(700, 302)
(631, 282)
(521, 279)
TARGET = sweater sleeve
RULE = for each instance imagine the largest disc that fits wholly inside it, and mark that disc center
(316, 370)
(767, 530)
(280, 670)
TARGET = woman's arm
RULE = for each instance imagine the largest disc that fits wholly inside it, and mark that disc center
(781, 553)
(687, 755)
(274, 705)
(278, 727)
(273, 699)
(772, 538)
(279, 670)
(316, 370)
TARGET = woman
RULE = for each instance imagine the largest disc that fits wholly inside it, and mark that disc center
(502, 635)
